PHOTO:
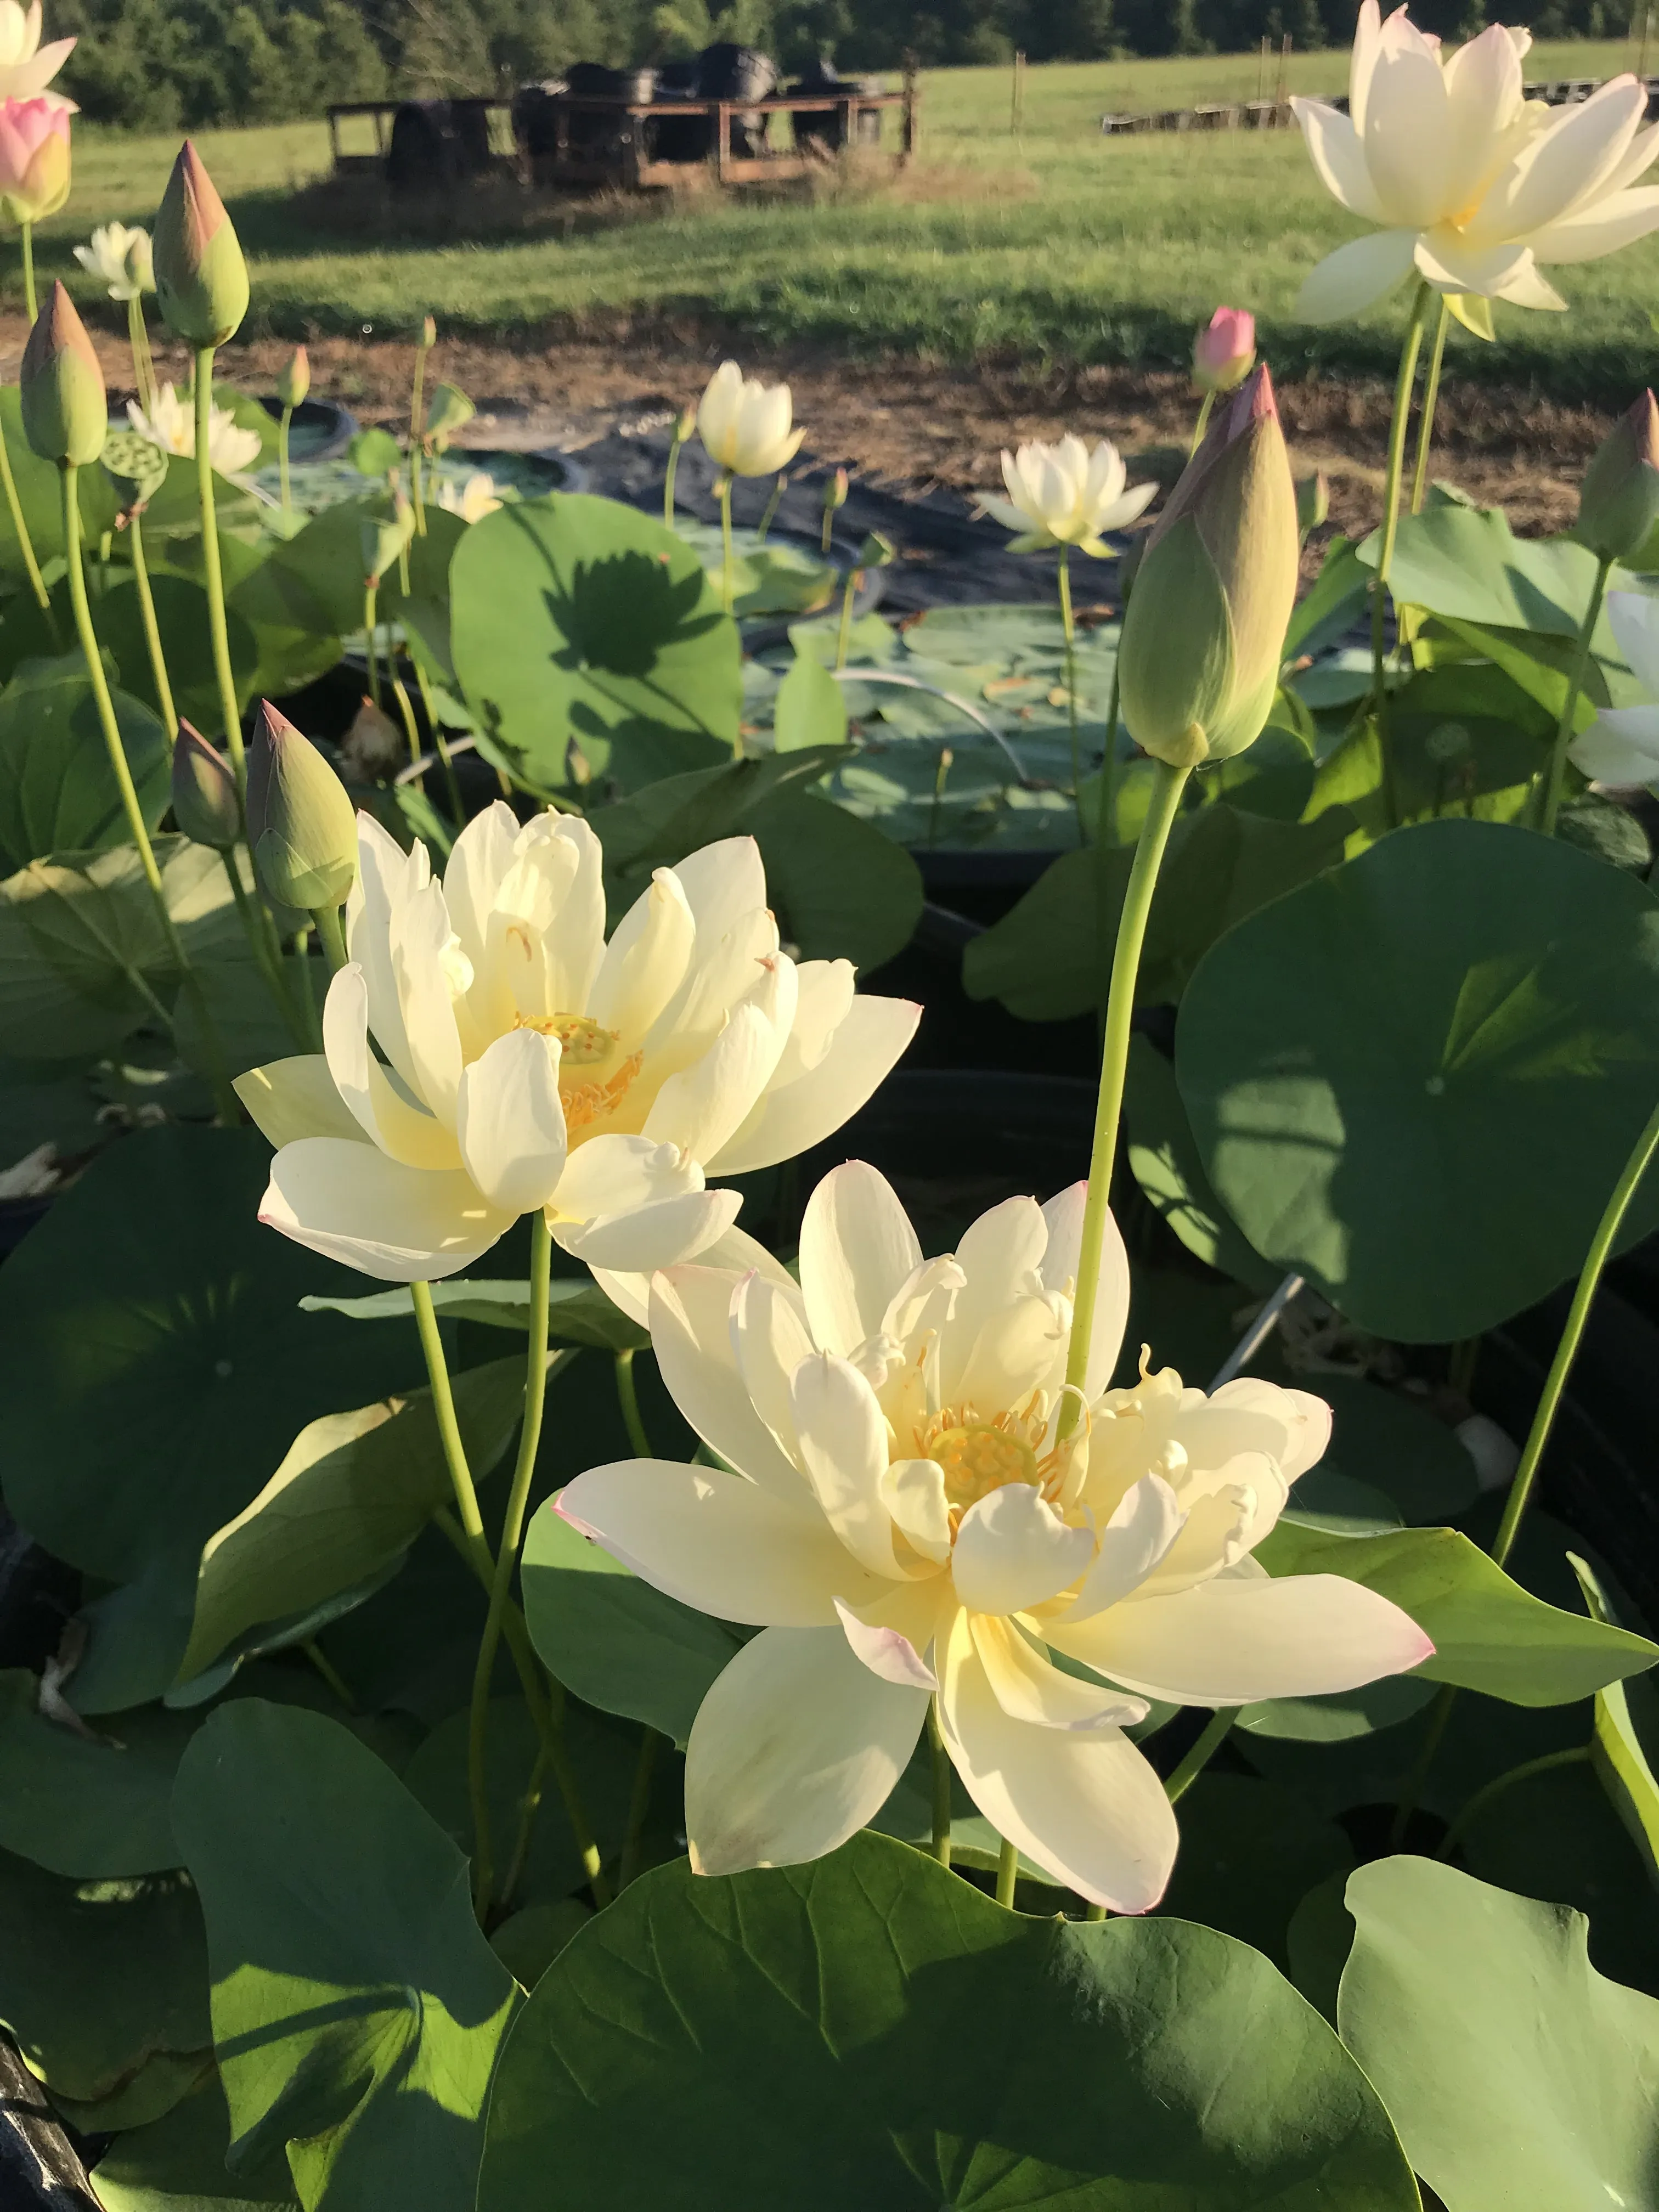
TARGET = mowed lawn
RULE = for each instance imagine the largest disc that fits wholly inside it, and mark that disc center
(1055, 244)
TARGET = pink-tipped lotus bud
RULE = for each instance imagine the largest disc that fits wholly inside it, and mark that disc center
(294, 378)
(835, 492)
(1313, 501)
(201, 279)
(34, 158)
(1204, 634)
(300, 821)
(428, 336)
(1619, 503)
(204, 803)
(1224, 352)
(66, 411)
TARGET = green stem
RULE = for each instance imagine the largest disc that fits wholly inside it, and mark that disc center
(327, 918)
(1202, 423)
(1566, 1351)
(728, 580)
(772, 507)
(1106, 813)
(370, 595)
(449, 1434)
(675, 442)
(941, 1847)
(529, 1806)
(629, 1398)
(1007, 1873)
(507, 1556)
(415, 486)
(1397, 427)
(1095, 1912)
(212, 569)
(1576, 1755)
(1434, 1732)
(638, 1809)
(158, 665)
(29, 299)
(1168, 784)
(224, 1096)
(330, 1672)
(262, 954)
(283, 427)
(1201, 1753)
(143, 368)
(1431, 403)
(407, 714)
(1070, 628)
(1550, 790)
(844, 635)
(26, 543)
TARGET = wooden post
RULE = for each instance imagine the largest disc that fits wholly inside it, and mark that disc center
(722, 141)
(1284, 71)
(632, 150)
(1261, 70)
(1016, 113)
(912, 101)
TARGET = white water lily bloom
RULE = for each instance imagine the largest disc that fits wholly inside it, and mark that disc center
(472, 500)
(119, 258)
(744, 424)
(1621, 746)
(171, 424)
(1471, 184)
(899, 1516)
(1063, 495)
(26, 67)
(529, 1064)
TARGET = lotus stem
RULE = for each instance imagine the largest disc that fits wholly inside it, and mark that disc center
(1007, 1873)
(844, 633)
(158, 665)
(1216, 1731)
(1168, 784)
(283, 429)
(1069, 627)
(941, 1843)
(327, 918)
(212, 570)
(728, 581)
(629, 1398)
(407, 714)
(1431, 404)
(269, 965)
(143, 367)
(416, 489)
(1575, 1755)
(529, 1806)
(27, 231)
(330, 1672)
(370, 595)
(638, 1809)
(14, 509)
(1397, 426)
(772, 507)
(946, 761)
(1549, 796)
(224, 1096)
(675, 442)
(440, 745)
(1202, 423)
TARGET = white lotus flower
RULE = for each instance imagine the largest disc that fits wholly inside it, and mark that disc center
(1063, 495)
(1621, 746)
(901, 1521)
(1472, 184)
(26, 67)
(171, 424)
(744, 424)
(472, 500)
(528, 1063)
(119, 258)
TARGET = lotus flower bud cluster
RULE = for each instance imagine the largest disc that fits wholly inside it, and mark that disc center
(294, 378)
(300, 826)
(201, 279)
(1619, 500)
(65, 409)
(745, 425)
(121, 259)
(1063, 495)
(1224, 352)
(1203, 638)
(204, 802)
(34, 157)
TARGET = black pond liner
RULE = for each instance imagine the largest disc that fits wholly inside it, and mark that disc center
(321, 429)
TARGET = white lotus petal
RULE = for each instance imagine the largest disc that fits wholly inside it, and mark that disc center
(1135, 1540)
(857, 1248)
(791, 1119)
(1634, 621)
(1064, 1215)
(841, 1446)
(350, 1202)
(646, 961)
(690, 1322)
(768, 1339)
(1013, 1551)
(510, 1122)
(664, 1233)
(1339, 159)
(1029, 1687)
(287, 1099)
(1356, 276)
(886, 1652)
(403, 1130)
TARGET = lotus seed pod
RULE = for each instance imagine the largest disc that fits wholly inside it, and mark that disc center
(201, 279)
(65, 409)
(300, 820)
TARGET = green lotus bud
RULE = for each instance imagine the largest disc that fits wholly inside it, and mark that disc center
(1619, 502)
(66, 411)
(685, 426)
(428, 336)
(300, 821)
(204, 804)
(877, 552)
(382, 542)
(835, 492)
(294, 378)
(1313, 501)
(1204, 634)
(201, 279)
(450, 410)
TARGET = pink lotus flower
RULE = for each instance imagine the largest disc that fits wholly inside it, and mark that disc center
(34, 157)
(1224, 353)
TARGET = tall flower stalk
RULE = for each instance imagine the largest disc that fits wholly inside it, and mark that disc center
(1398, 421)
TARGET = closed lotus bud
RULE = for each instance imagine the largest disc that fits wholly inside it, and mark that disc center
(687, 425)
(138, 264)
(65, 412)
(300, 821)
(429, 335)
(382, 542)
(34, 158)
(1224, 352)
(201, 279)
(450, 410)
(1313, 501)
(1619, 503)
(294, 378)
(204, 803)
(835, 492)
(877, 552)
(1204, 635)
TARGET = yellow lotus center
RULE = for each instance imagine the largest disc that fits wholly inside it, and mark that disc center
(586, 1044)
(979, 1456)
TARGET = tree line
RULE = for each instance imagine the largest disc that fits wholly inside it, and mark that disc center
(167, 64)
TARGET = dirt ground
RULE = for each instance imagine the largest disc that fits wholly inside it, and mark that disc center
(909, 424)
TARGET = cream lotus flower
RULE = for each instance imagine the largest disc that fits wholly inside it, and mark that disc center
(472, 500)
(171, 424)
(902, 1522)
(744, 424)
(530, 1064)
(1063, 495)
(1621, 746)
(119, 258)
(1473, 186)
(26, 67)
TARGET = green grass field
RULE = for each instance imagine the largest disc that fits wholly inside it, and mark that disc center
(1055, 244)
